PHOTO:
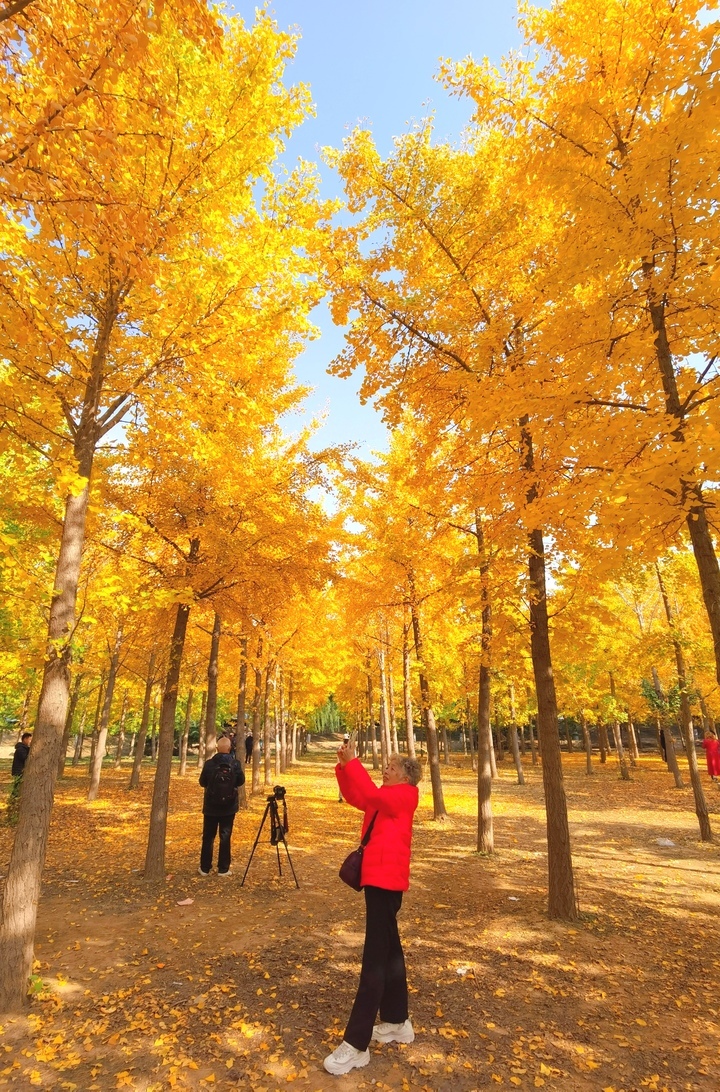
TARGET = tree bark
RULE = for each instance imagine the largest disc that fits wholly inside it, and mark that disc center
(561, 886)
(603, 742)
(267, 748)
(407, 693)
(74, 698)
(283, 725)
(155, 855)
(588, 745)
(371, 718)
(691, 498)
(632, 738)
(212, 690)
(80, 739)
(96, 721)
(671, 759)
(121, 733)
(384, 727)
(701, 808)
(485, 831)
(514, 738)
(186, 733)
(394, 745)
(201, 730)
(21, 893)
(471, 737)
(100, 743)
(257, 699)
(619, 749)
(428, 715)
(240, 731)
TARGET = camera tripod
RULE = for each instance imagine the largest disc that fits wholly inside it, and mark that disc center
(278, 829)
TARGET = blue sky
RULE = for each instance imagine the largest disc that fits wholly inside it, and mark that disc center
(374, 63)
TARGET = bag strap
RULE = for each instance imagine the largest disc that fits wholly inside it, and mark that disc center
(368, 832)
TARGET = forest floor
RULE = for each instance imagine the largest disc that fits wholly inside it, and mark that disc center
(202, 984)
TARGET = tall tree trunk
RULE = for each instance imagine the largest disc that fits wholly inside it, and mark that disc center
(512, 730)
(371, 717)
(96, 721)
(561, 887)
(485, 831)
(384, 727)
(144, 721)
(212, 690)
(201, 730)
(471, 737)
(445, 744)
(671, 756)
(186, 733)
(428, 714)
(283, 725)
(74, 698)
(588, 745)
(267, 742)
(619, 749)
(277, 730)
(632, 739)
(292, 719)
(407, 693)
(100, 743)
(691, 495)
(257, 717)
(21, 893)
(240, 730)
(568, 737)
(394, 746)
(121, 732)
(80, 738)
(155, 855)
(701, 809)
(603, 742)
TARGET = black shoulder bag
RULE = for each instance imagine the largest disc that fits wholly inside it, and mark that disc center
(351, 866)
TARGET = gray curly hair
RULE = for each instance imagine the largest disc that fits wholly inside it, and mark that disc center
(410, 767)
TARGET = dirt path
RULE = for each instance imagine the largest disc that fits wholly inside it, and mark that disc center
(250, 987)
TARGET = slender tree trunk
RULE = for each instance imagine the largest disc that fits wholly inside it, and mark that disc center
(471, 739)
(74, 698)
(257, 717)
(512, 730)
(277, 730)
(144, 721)
(485, 831)
(100, 744)
(588, 745)
(80, 739)
(201, 729)
(96, 721)
(691, 497)
(283, 725)
(394, 745)
(267, 742)
(155, 855)
(212, 690)
(407, 694)
(568, 737)
(121, 732)
(671, 756)
(240, 731)
(428, 714)
(491, 745)
(624, 771)
(384, 728)
(21, 893)
(561, 886)
(632, 739)
(701, 808)
(371, 718)
(603, 742)
(186, 733)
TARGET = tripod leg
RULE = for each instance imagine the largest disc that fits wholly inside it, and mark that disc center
(277, 847)
(290, 863)
(257, 839)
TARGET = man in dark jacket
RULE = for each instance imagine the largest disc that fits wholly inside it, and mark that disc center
(22, 750)
(221, 777)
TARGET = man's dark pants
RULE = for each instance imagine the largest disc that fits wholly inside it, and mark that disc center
(383, 983)
(211, 825)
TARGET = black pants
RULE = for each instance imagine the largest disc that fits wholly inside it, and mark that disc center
(211, 824)
(383, 983)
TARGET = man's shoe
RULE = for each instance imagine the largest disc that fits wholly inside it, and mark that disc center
(345, 1058)
(203, 873)
(394, 1033)
(228, 873)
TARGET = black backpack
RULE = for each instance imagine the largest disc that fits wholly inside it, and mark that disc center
(221, 792)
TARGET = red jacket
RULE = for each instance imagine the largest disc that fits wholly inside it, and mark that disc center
(386, 859)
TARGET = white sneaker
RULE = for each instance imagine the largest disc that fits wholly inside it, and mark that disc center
(345, 1058)
(203, 873)
(394, 1033)
(228, 873)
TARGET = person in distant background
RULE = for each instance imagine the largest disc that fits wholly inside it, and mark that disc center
(711, 745)
(22, 750)
(248, 746)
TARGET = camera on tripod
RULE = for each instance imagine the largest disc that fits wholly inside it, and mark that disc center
(278, 793)
(279, 827)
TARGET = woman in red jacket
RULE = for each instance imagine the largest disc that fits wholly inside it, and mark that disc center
(712, 754)
(385, 875)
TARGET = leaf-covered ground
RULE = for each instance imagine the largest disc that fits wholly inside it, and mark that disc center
(250, 987)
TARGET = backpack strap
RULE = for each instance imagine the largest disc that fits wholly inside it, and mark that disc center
(368, 832)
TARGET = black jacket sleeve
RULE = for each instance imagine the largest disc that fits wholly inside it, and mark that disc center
(239, 775)
(205, 774)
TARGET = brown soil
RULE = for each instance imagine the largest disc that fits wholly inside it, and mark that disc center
(250, 987)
